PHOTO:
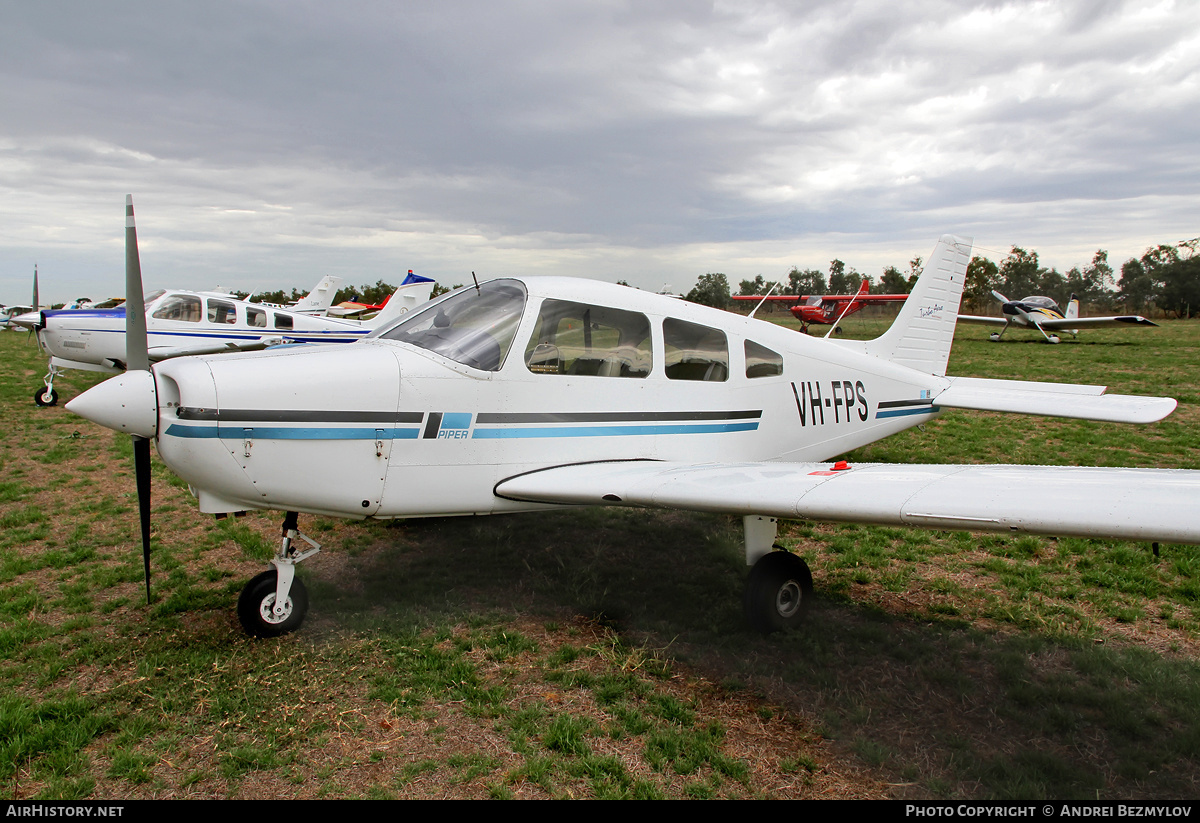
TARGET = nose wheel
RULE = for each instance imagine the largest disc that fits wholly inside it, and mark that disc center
(45, 397)
(778, 592)
(258, 613)
(275, 602)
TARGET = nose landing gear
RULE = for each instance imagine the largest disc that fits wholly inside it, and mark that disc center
(275, 602)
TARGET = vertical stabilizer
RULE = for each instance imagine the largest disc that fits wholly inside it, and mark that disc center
(922, 333)
(1072, 307)
(320, 298)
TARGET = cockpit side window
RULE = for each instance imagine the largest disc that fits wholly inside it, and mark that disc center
(474, 327)
(184, 307)
(583, 339)
(695, 352)
(761, 361)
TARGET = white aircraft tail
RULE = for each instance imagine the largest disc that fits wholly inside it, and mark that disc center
(411, 293)
(320, 298)
(1072, 308)
(923, 331)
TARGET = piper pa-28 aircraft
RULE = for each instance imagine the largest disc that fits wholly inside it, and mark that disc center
(530, 393)
(186, 323)
(1043, 314)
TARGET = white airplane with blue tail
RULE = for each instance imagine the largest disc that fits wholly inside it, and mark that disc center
(531, 393)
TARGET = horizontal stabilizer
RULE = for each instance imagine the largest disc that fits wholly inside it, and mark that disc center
(1052, 400)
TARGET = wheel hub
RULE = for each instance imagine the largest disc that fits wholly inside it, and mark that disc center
(788, 599)
(266, 610)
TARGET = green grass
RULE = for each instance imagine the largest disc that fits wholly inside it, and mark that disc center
(574, 654)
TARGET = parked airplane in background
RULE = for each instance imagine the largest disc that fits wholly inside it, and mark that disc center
(829, 309)
(187, 323)
(317, 301)
(532, 393)
(414, 289)
(1043, 314)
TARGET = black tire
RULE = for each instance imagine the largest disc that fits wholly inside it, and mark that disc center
(45, 397)
(778, 592)
(256, 600)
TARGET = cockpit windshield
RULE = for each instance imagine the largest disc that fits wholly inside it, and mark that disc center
(474, 327)
(1040, 302)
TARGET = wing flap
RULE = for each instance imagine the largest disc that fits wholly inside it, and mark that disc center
(1128, 504)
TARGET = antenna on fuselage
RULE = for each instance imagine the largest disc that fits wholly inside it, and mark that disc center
(764, 300)
(476, 279)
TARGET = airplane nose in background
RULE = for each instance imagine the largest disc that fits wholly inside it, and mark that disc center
(125, 403)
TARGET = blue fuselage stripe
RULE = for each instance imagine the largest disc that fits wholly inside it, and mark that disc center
(286, 433)
(906, 412)
(612, 431)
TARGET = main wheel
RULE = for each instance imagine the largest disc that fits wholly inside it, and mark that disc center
(257, 603)
(45, 397)
(778, 592)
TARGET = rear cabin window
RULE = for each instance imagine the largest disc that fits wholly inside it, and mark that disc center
(179, 307)
(283, 321)
(221, 312)
(582, 339)
(761, 361)
(256, 318)
(695, 352)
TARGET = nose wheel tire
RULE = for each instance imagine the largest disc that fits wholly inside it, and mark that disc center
(256, 607)
(45, 397)
(778, 592)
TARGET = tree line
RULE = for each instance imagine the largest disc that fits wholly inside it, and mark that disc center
(1165, 279)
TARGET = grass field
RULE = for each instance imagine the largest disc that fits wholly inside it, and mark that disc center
(602, 653)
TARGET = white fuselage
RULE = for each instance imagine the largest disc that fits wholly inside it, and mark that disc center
(95, 338)
(385, 428)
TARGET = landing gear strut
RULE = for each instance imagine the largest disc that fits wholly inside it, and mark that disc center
(780, 586)
(48, 396)
(275, 602)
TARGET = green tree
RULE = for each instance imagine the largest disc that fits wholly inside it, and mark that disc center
(711, 289)
(755, 286)
(1136, 287)
(809, 281)
(982, 277)
(893, 281)
(1020, 275)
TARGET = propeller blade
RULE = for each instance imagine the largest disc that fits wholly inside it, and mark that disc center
(1000, 297)
(141, 465)
(137, 358)
(136, 347)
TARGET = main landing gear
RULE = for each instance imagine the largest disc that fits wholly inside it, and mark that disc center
(780, 586)
(275, 602)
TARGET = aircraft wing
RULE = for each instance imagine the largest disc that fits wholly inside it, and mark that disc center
(1091, 322)
(158, 353)
(1130, 504)
(975, 318)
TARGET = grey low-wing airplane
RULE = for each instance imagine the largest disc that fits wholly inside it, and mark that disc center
(1043, 314)
(531, 393)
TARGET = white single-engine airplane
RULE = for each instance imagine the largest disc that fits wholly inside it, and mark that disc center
(184, 323)
(1043, 314)
(537, 392)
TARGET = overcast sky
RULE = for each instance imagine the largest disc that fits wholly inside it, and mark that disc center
(269, 143)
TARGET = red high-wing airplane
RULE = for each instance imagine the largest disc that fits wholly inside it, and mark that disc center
(829, 309)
